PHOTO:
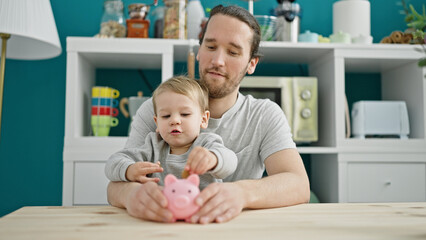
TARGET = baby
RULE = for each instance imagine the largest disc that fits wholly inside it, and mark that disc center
(180, 112)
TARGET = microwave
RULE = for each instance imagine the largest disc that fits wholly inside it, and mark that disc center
(298, 98)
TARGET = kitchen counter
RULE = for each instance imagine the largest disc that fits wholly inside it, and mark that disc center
(307, 221)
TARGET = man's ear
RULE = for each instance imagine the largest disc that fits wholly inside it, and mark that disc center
(155, 120)
(252, 65)
(205, 119)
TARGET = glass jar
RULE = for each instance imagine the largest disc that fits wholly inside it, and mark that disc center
(175, 19)
(112, 21)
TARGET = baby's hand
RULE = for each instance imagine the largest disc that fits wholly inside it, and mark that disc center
(137, 172)
(200, 160)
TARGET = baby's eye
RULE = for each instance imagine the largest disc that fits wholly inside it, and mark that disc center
(165, 116)
(173, 191)
(189, 191)
(185, 114)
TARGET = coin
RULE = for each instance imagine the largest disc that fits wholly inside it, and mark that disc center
(185, 174)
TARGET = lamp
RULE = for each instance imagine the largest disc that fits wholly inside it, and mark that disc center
(28, 32)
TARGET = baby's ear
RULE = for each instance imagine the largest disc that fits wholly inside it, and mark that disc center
(194, 179)
(205, 119)
(170, 178)
(155, 120)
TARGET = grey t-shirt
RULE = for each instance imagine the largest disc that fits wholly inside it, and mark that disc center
(252, 128)
(155, 149)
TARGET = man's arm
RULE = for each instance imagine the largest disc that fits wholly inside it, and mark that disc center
(144, 201)
(286, 185)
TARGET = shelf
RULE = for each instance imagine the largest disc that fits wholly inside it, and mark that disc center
(121, 53)
(88, 141)
(95, 145)
(317, 150)
(120, 45)
(355, 54)
(92, 148)
(124, 60)
(383, 145)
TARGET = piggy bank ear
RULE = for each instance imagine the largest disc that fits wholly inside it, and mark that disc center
(170, 178)
(194, 179)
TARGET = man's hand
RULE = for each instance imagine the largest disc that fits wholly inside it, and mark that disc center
(138, 172)
(148, 202)
(220, 202)
(200, 160)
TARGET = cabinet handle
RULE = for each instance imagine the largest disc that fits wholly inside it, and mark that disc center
(388, 183)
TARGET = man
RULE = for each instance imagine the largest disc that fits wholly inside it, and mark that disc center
(256, 130)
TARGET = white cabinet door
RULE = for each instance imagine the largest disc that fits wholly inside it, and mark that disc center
(90, 183)
(386, 182)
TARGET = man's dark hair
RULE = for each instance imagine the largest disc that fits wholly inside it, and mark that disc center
(242, 15)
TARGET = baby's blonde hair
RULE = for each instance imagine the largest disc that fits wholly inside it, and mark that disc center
(187, 87)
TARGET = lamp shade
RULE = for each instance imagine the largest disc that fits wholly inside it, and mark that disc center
(32, 28)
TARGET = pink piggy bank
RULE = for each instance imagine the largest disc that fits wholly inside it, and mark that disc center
(180, 194)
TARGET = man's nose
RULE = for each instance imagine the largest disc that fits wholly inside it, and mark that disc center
(219, 58)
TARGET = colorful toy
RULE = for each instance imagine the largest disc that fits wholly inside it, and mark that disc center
(180, 194)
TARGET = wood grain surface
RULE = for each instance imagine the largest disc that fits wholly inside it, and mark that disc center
(307, 221)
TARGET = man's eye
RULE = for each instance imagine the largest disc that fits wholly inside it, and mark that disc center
(211, 47)
(232, 53)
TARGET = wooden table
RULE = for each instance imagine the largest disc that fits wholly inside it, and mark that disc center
(308, 221)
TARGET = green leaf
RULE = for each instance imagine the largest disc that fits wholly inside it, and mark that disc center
(408, 18)
(414, 19)
(417, 24)
(418, 34)
(422, 62)
(415, 13)
(424, 12)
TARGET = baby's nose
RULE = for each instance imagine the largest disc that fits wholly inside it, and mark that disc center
(175, 120)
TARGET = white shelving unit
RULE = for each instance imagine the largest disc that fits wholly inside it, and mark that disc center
(373, 170)
(343, 170)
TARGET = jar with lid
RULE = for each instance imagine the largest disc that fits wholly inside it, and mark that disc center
(138, 25)
(112, 21)
(175, 19)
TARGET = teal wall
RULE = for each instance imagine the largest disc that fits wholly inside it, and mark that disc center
(32, 131)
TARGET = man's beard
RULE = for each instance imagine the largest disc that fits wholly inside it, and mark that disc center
(223, 90)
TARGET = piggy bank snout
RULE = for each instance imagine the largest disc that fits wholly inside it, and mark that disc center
(182, 201)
